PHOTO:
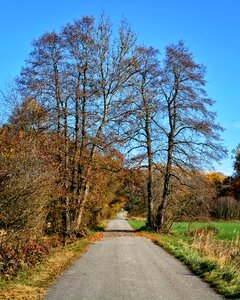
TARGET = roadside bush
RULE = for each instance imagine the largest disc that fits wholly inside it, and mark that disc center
(15, 254)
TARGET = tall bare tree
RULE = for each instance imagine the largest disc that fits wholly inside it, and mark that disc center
(144, 115)
(115, 65)
(192, 138)
(45, 79)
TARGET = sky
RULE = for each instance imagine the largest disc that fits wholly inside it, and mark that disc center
(210, 28)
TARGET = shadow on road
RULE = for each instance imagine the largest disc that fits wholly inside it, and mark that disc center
(120, 230)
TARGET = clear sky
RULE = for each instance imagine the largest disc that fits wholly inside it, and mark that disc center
(210, 28)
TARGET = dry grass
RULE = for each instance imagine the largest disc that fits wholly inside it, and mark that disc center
(31, 284)
(151, 236)
(224, 252)
(20, 292)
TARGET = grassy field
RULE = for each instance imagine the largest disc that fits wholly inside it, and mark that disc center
(210, 249)
(225, 230)
(136, 224)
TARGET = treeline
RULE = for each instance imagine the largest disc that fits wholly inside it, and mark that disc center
(228, 202)
(93, 106)
(195, 195)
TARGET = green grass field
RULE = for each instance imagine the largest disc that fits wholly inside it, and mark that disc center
(226, 230)
(136, 224)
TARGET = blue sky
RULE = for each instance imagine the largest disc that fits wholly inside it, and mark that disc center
(210, 28)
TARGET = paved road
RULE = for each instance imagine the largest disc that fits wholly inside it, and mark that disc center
(122, 266)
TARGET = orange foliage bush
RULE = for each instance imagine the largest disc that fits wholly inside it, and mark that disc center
(16, 254)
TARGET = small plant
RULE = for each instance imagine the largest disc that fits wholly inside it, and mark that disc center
(207, 266)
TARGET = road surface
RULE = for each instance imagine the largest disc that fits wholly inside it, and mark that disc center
(122, 266)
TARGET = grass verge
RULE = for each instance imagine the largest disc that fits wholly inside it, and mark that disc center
(31, 284)
(136, 223)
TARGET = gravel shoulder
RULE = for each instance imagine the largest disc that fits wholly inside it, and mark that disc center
(124, 266)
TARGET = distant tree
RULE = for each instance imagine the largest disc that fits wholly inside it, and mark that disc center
(29, 116)
(236, 153)
(134, 191)
(217, 179)
(235, 182)
(227, 208)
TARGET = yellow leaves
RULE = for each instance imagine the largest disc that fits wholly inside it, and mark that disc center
(216, 177)
(9, 142)
(21, 134)
(13, 142)
(7, 153)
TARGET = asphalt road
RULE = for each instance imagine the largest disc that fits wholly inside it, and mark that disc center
(127, 267)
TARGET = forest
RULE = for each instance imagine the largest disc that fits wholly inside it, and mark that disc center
(100, 122)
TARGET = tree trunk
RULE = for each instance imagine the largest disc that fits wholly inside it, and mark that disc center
(150, 164)
(82, 202)
(84, 190)
(66, 171)
(159, 221)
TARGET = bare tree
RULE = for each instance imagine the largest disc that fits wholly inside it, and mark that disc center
(114, 68)
(143, 117)
(192, 138)
(45, 79)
